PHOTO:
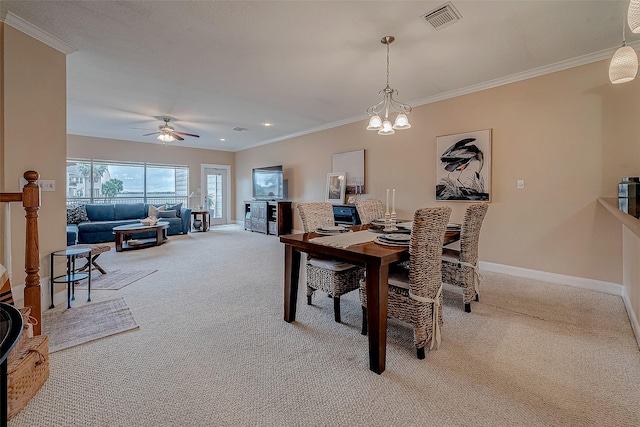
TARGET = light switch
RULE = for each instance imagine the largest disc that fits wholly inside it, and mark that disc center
(47, 184)
(520, 184)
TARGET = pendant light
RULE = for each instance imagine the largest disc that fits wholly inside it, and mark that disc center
(624, 64)
(388, 104)
(633, 16)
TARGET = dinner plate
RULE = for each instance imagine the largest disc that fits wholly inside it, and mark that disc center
(397, 238)
(374, 228)
(388, 243)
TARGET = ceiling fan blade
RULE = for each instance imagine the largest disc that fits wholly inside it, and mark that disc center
(188, 134)
(152, 133)
(178, 137)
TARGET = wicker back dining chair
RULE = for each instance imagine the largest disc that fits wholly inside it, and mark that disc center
(415, 294)
(336, 278)
(460, 268)
(368, 210)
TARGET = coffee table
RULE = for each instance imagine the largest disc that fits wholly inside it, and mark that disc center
(123, 236)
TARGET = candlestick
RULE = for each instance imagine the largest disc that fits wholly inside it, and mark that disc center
(393, 204)
(387, 212)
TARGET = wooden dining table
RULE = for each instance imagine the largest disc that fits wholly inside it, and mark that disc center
(374, 257)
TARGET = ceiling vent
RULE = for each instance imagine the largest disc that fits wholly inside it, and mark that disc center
(239, 129)
(442, 16)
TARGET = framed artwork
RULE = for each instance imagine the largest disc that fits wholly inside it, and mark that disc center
(463, 166)
(352, 163)
(336, 187)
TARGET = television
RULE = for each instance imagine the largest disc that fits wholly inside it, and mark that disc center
(268, 183)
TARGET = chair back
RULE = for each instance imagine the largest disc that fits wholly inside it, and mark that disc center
(315, 215)
(470, 232)
(368, 210)
(425, 250)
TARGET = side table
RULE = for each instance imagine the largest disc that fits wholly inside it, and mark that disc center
(72, 276)
(206, 219)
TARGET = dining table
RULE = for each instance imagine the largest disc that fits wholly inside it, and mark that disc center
(375, 258)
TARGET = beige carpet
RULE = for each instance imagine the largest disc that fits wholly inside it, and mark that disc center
(114, 280)
(213, 350)
(70, 327)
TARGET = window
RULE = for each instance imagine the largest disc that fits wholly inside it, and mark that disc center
(92, 181)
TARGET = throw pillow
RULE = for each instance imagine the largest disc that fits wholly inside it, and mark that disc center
(153, 211)
(77, 214)
(176, 208)
(167, 214)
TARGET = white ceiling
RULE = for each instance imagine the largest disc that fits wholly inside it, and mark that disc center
(301, 65)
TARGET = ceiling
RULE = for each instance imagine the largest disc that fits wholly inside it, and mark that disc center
(301, 65)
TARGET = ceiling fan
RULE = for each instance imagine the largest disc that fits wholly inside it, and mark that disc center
(169, 134)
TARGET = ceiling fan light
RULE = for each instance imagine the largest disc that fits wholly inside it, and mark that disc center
(633, 16)
(375, 123)
(165, 137)
(387, 129)
(402, 122)
(624, 65)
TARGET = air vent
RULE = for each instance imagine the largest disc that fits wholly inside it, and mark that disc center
(239, 129)
(442, 16)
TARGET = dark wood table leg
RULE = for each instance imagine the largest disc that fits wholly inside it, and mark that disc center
(205, 226)
(119, 241)
(159, 235)
(291, 277)
(377, 289)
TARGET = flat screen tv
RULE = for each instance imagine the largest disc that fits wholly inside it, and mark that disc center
(268, 183)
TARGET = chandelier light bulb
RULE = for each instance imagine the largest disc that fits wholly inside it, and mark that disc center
(402, 122)
(387, 129)
(375, 123)
(624, 65)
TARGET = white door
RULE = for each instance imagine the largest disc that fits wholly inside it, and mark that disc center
(215, 194)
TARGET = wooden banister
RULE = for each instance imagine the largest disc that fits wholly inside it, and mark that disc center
(30, 198)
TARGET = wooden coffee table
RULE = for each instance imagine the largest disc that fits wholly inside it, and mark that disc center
(125, 243)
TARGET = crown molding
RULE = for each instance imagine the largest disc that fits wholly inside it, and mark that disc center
(31, 30)
(536, 72)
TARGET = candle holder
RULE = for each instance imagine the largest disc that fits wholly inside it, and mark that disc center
(390, 222)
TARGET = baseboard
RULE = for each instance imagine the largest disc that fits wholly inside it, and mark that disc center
(560, 279)
(632, 315)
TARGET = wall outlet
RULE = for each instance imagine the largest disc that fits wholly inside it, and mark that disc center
(520, 184)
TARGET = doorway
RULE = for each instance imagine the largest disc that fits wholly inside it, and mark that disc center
(215, 192)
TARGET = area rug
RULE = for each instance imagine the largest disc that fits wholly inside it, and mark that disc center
(115, 279)
(70, 327)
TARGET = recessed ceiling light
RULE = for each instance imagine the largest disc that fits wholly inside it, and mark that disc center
(223, 139)
(267, 124)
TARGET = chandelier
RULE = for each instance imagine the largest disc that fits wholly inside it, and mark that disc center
(388, 104)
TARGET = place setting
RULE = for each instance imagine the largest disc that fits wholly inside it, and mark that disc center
(332, 230)
(394, 239)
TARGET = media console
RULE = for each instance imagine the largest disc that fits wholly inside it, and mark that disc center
(268, 216)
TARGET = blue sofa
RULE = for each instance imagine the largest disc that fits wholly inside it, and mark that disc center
(102, 219)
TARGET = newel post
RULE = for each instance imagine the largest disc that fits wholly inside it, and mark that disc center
(31, 204)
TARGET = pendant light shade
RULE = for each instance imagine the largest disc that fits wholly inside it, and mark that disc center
(624, 65)
(633, 16)
(375, 123)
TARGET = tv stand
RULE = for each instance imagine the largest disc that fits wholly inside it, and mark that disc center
(268, 216)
